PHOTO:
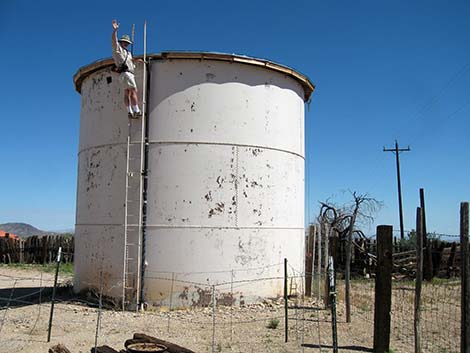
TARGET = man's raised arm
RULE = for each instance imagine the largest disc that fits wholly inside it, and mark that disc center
(114, 39)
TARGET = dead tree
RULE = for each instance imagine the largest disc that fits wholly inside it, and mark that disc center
(343, 220)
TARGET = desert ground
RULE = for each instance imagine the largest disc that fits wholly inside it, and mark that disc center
(24, 319)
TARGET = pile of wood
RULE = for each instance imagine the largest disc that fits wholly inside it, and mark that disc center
(139, 343)
(36, 249)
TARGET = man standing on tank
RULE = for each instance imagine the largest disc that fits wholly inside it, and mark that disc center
(125, 67)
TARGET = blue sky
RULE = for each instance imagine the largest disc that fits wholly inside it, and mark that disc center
(384, 70)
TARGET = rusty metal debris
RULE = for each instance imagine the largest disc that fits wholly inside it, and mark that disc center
(146, 347)
(142, 343)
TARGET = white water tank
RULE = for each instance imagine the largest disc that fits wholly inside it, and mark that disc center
(225, 177)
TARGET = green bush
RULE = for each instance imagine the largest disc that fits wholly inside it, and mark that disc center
(273, 323)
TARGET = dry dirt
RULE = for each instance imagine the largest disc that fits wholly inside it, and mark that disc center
(23, 326)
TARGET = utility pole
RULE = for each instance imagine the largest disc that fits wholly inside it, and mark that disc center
(397, 151)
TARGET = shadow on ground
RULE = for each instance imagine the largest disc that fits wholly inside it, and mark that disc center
(15, 297)
(340, 348)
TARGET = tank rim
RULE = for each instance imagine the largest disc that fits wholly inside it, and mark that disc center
(304, 81)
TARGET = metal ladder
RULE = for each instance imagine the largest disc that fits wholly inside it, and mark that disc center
(134, 206)
(133, 214)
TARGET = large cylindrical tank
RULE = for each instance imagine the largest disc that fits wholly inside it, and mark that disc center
(225, 177)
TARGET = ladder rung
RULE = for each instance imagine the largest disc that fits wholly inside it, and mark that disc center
(130, 244)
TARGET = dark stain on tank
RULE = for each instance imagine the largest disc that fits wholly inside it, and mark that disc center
(225, 299)
(204, 297)
(234, 200)
(245, 194)
(184, 294)
(193, 107)
(255, 184)
(191, 130)
(210, 76)
(256, 151)
(208, 196)
(219, 181)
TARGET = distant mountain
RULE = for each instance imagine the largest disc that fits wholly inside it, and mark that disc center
(22, 229)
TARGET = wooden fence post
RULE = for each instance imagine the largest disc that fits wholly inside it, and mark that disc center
(419, 278)
(383, 289)
(309, 260)
(465, 280)
(427, 256)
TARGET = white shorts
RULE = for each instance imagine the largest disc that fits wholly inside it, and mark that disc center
(128, 80)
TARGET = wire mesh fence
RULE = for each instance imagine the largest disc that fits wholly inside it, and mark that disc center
(221, 322)
(216, 325)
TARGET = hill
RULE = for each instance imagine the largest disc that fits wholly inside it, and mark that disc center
(22, 229)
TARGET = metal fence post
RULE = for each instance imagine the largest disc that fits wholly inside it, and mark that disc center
(213, 318)
(100, 306)
(171, 300)
(286, 319)
(53, 295)
(332, 287)
(231, 306)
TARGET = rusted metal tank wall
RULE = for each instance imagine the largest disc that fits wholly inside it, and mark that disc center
(225, 181)
(226, 171)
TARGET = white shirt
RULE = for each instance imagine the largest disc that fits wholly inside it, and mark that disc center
(120, 55)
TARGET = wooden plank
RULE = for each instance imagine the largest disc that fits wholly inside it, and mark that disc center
(465, 279)
(104, 349)
(59, 348)
(172, 348)
(383, 289)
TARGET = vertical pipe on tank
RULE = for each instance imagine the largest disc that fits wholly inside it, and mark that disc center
(143, 178)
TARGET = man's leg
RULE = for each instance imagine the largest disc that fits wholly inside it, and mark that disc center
(135, 101)
(127, 95)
